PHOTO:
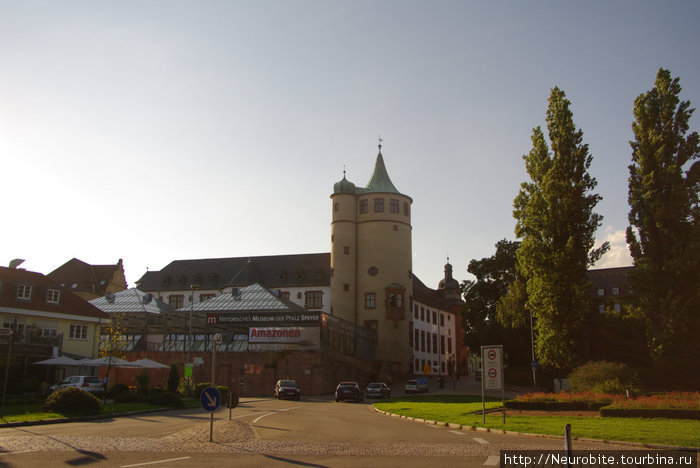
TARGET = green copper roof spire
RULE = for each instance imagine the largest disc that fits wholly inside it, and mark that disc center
(380, 181)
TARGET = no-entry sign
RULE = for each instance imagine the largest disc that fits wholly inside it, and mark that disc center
(492, 361)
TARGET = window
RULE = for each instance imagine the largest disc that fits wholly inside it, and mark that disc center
(176, 301)
(284, 295)
(435, 348)
(422, 340)
(370, 300)
(206, 297)
(395, 300)
(346, 250)
(427, 342)
(394, 205)
(442, 320)
(410, 334)
(336, 206)
(406, 209)
(422, 314)
(615, 291)
(415, 311)
(618, 308)
(53, 296)
(24, 292)
(378, 205)
(601, 309)
(313, 299)
(417, 365)
(346, 287)
(442, 344)
(416, 340)
(372, 271)
(364, 206)
(434, 318)
(78, 332)
(449, 345)
(601, 292)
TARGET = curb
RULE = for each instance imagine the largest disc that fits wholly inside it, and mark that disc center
(42, 422)
(545, 436)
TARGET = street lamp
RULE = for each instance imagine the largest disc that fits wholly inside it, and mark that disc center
(193, 288)
(533, 364)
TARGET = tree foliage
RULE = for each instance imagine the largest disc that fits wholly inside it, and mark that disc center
(480, 316)
(556, 222)
(664, 232)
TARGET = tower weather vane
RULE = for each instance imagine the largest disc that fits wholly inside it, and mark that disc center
(380, 142)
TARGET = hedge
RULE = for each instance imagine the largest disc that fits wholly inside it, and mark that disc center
(556, 405)
(650, 413)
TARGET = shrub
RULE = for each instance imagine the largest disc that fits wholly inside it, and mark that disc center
(117, 389)
(182, 386)
(603, 377)
(224, 391)
(29, 386)
(72, 401)
(173, 379)
(129, 397)
(170, 399)
(142, 380)
(199, 388)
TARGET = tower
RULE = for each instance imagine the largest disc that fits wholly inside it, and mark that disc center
(371, 272)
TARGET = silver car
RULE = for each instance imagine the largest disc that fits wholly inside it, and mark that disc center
(86, 383)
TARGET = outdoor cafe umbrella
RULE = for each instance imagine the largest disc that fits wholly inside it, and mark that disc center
(148, 363)
(106, 361)
(59, 361)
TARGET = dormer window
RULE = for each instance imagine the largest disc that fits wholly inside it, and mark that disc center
(53, 296)
(24, 292)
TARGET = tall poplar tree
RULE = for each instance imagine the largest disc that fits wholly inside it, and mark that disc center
(664, 231)
(556, 222)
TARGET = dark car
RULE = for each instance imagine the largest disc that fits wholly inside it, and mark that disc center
(287, 389)
(348, 391)
(378, 390)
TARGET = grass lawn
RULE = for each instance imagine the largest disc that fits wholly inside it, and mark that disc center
(457, 409)
(35, 411)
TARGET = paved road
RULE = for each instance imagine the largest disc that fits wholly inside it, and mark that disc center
(262, 432)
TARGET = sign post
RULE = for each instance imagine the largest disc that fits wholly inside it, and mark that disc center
(6, 332)
(210, 399)
(492, 375)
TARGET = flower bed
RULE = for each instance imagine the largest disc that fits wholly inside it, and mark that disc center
(677, 405)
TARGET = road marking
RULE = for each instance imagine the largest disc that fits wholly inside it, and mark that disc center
(433, 426)
(20, 451)
(156, 462)
(274, 412)
(492, 460)
(481, 441)
(458, 432)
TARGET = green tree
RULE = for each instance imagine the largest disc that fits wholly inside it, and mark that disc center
(664, 232)
(556, 222)
(173, 378)
(113, 341)
(480, 315)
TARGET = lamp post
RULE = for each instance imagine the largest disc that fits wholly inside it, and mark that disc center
(193, 288)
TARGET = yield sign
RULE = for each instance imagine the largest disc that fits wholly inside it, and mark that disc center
(210, 399)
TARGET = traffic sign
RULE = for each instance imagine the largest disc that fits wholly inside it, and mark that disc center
(493, 367)
(210, 399)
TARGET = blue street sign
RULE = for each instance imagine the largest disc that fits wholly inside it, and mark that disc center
(210, 399)
(422, 380)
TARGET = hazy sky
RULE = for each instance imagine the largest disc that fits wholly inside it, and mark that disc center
(161, 130)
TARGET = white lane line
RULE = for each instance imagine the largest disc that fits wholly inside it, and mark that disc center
(156, 462)
(19, 451)
(274, 412)
(433, 426)
(481, 441)
(492, 460)
(458, 432)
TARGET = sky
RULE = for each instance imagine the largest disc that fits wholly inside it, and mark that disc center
(155, 131)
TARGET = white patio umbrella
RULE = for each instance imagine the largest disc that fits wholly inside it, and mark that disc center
(59, 361)
(148, 363)
(105, 362)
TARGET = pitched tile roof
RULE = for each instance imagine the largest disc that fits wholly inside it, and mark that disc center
(68, 303)
(80, 276)
(274, 271)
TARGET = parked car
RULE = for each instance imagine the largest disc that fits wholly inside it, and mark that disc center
(287, 389)
(416, 386)
(348, 391)
(378, 390)
(86, 383)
